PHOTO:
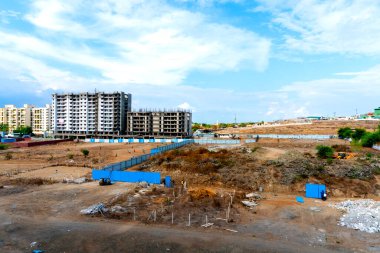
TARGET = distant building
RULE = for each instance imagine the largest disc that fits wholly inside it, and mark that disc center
(376, 113)
(41, 120)
(90, 113)
(174, 123)
(16, 117)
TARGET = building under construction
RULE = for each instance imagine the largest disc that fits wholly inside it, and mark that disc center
(96, 113)
(155, 123)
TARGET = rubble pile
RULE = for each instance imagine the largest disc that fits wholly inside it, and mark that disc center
(94, 209)
(363, 215)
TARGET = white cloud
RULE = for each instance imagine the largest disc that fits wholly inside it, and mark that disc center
(342, 26)
(135, 42)
(186, 106)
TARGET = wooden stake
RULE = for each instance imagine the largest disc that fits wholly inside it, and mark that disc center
(172, 218)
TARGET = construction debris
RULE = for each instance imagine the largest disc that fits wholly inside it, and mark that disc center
(80, 180)
(94, 209)
(253, 195)
(249, 203)
(363, 215)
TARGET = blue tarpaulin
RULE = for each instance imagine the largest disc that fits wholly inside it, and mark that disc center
(300, 199)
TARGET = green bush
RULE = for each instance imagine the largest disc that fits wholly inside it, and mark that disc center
(358, 134)
(70, 156)
(345, 133)
(85, 152)
(325, 151)
(3, 146)
(369, 139)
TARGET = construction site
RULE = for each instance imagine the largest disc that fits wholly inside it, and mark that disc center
(221, 197)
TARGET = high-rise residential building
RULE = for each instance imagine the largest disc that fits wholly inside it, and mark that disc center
(16, 117)
(41, 120)
(90, 113)
(175, 123)
(3, 116)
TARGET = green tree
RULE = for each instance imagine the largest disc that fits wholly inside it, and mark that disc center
(369, 139)
(358, 134)
(4, 127)
(345, 133)
(325, 151)
(23, 130)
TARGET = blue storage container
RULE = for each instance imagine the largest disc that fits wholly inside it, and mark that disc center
(315, 191)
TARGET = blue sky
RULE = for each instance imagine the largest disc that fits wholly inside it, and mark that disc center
(259, 60)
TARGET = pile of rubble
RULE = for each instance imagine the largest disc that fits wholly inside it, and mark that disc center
(95, 209)
(363, 215)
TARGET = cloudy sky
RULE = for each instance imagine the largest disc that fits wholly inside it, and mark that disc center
(256, 59)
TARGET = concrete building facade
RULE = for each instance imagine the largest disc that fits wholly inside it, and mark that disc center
(16, 117)
(41, 120)
(90, 113)
(174, 123)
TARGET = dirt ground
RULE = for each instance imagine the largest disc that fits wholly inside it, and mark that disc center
(323, 127)
(48, 216)
(65, 159)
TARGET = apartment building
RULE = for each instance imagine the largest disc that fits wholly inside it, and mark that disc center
(175, 123)
(41, 120)
(90, 113)
(15, 117)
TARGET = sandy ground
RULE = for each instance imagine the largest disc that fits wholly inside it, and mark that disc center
(58, 173)
(49, 215)
(65, 159)
(323, 127)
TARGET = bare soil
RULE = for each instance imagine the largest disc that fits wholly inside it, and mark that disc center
(323, 127)
(145, 218)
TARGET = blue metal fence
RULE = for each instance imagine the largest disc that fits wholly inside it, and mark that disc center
(116, 172)
(128, 176)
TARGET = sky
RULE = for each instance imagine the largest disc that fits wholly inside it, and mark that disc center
(250, 59)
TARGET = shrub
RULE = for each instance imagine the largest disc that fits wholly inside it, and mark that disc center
(369, 139)
(70, 156)
(324, 151)
(8, 156)
(358, 133)
(344, 133)
(3, 146)
(85, 152)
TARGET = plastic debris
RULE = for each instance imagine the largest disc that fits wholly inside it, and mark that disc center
(249, 203)
(363, 215)
(95, 209)
(253, 195)
(299, 199)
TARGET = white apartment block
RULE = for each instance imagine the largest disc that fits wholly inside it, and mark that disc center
(41, 120)
(175, 123)
(90, 113)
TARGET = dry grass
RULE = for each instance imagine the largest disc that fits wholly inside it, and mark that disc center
(30, 181)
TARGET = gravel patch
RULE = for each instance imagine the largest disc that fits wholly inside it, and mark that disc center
(363, 215)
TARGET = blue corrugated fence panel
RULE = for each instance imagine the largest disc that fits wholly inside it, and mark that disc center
(136, 177)
(98, 174)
